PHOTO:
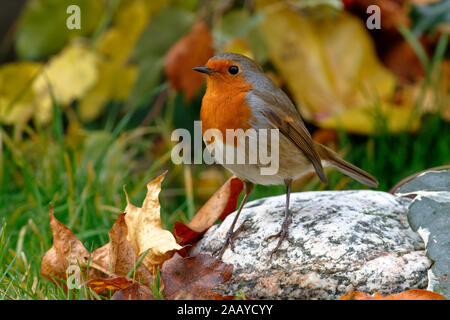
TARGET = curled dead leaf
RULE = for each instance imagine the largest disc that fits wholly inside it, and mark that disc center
(119, 256)
(66, 251)
(185, 235)
(145, 228)
(218, 207)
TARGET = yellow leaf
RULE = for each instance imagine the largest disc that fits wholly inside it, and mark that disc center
(70, 75)
(330, 66)
(116, 76)
(361, 120)
(16, 94)
(145, 229)
(114, 83)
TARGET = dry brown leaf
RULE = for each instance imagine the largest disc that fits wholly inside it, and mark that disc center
(197, 276)
(415, 294)
(114, 259)
(191, 51)
(219, 206)
(66, 251)
(118, 256)
(102, 286)
(134, 292)
(145, 229)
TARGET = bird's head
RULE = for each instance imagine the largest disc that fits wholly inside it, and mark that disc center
(230, 69)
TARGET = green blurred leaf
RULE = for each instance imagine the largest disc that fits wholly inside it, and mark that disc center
(16, 95)
(239, 24)
(42, 29)
(188, 5)
(162, 32)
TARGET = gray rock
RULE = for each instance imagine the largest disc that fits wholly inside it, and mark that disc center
(337, 239)
(429, 215)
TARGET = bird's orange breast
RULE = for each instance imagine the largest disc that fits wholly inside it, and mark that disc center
(224, 105)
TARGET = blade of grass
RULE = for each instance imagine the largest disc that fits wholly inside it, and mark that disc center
(156, 286)
(416, 45)
(132, 271)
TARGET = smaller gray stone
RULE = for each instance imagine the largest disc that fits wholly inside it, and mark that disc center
(337, 239)
(427, 181)
(429, 215)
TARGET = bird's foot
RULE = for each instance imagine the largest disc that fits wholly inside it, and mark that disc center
(229, 239)
(282, 235)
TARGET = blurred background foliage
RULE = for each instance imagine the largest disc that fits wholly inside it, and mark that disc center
(85, 112)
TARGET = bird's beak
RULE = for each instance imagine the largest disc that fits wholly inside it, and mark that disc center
(204, 70)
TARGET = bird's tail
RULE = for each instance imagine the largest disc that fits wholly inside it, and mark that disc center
(345, 167)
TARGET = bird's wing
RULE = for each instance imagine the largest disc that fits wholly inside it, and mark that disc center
(283, 115)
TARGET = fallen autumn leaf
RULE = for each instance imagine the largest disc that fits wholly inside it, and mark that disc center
(415, 294)
(145, 228)
(197, 275)
(218, 207)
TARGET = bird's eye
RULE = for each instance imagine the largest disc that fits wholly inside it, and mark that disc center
(233, 70)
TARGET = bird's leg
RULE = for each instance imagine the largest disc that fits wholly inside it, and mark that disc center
(284, 232)
(232, 234)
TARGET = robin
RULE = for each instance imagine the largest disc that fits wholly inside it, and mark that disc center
(240, 96)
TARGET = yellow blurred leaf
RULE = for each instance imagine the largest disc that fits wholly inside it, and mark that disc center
(114, 83)
(240, 46)
(132, 16)
(362, 120)
(16, 94)
(145, 229)
(330, 66)
(116, 75)
(70, 75)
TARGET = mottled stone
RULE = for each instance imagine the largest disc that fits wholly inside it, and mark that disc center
(337, 238)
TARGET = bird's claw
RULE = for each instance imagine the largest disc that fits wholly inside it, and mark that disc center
(229, 239)
(282, 235)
